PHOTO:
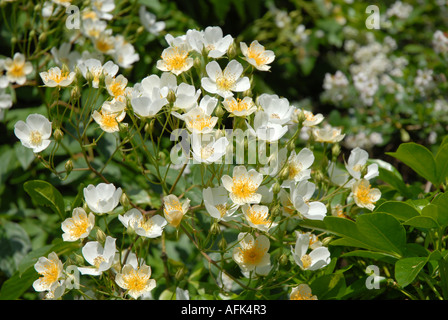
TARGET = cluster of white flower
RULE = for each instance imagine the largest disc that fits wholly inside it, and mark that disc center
(94, 28)
(12, 71)
(241, 196)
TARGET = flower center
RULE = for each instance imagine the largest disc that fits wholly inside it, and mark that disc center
(306, 261)
(237, 105)
(294, 169)
(78, 228)
(146, 224)
(301, 295)
(51, 273)
(97, 261)
(109, 120)
(35, 138)
(135, 281)
(243, 188)
(225, 83)
(252, 255)
(257, 55)
(175, 59)
(17, 70)
(258, 217)
(207, 152)
(104, 45)
(200, 122)
(117, 89)
(363, 193)
(222, 208)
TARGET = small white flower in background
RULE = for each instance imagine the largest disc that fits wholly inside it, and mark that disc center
(265, 130)
(238, 107)
(365, 196)
(182, 294)
(174, 210)
(186, 97)
(301, 33)
(102, 198)
(278, 109)
(252, 254)
(328, 134)
(424, 80)
(316, 259)
(17, 68)
(116, 86)
(93, 28)
(243, 186)
(211, 39)
(216, 201)
(175, 59)
(149, 96)
(149, 227)
(101, 258)
(136, 280)
(337, 175)
(78, 226)
(258, 217)
(64, 55)
(440, 42)
(110, 115)
(302, 292)
(311, 119)
(51, 270)
(257, 55)
(124, 55)
(205, 148)
(149, 21)
(96, 69)
(5, 101)
(225, 82)
(301, 195)
(56, 77)
(400, 10)
(356, 163)
(299, 165)
(105, 42)
(103, 8)
(34, 133)
(200, 119)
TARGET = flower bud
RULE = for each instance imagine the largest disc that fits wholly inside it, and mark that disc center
(326, 241)
(283, 260)
(68, 166)
(276, 187)
(100, 236)
(42, 37)
(214, 229)
(284, 173)
(180, 273)
(197, 63)
(58, 135)
(222, 244)
(75, 94)
(219, 111)
(291, 145)
(276, 211)
(232, 50)
(124, 200)
(171, 97)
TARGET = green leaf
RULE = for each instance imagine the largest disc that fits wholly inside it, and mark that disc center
(442, 161)
(15, 286)
(441, 201)
(43, 193)
(329, 286)
(400, 210)
(407, 269)
(418, 158)
(422, 222)
(15, 244)
(383, 231)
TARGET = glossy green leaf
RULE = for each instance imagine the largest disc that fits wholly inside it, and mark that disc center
(43, 193)
(418, 158)
(400, 210)
(407, 269)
